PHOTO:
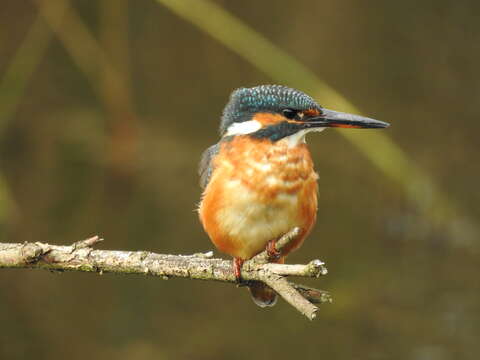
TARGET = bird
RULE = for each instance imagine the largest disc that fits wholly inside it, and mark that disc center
(259, 180)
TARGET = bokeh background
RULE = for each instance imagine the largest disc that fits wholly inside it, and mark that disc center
(106, 107)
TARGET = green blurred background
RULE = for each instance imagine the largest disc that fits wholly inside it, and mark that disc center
(106, 106)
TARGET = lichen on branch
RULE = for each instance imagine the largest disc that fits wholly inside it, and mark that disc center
(81, 256)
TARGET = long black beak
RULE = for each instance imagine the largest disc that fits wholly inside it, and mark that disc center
(330, 118)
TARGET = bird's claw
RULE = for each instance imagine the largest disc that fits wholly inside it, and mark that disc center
(272, 251)
(237, 269)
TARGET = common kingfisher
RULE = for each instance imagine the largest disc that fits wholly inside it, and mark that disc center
(258, 181)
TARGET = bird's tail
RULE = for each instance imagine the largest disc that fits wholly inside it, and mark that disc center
(263, 295)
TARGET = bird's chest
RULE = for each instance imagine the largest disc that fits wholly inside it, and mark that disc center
(273, 174)
(262, 192)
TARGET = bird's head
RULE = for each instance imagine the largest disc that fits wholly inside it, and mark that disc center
(277, 112)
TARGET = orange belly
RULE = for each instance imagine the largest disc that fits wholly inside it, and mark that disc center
(258, 192)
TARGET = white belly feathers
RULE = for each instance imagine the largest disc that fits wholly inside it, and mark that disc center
(253, 223)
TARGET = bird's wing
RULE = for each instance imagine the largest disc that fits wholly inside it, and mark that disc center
(205, 167)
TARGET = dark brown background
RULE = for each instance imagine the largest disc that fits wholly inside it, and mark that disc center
(81, 157)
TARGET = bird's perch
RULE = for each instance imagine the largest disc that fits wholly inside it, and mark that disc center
(81, 256)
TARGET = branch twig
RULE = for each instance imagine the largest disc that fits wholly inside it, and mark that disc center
(80, 256)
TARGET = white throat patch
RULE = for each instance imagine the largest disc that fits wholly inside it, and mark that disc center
(299, 137)
(242, 128)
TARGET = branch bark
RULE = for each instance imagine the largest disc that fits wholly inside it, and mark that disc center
(81, 256)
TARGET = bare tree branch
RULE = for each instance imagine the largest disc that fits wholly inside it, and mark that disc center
(80, 256)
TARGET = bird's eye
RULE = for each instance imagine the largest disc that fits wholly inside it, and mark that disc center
(289, 113)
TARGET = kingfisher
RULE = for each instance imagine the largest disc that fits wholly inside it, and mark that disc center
(259, 180)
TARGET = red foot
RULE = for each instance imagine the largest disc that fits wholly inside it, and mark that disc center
(272, 251)
(237, 268)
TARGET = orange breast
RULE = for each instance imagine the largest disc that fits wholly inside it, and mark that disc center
(258, 192)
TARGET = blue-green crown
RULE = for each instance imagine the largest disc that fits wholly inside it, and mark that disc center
(245, 102)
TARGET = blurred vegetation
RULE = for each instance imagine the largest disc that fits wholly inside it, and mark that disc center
(106, 106)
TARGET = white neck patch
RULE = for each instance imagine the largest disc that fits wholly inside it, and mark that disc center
(248, 127)
(242, 128)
